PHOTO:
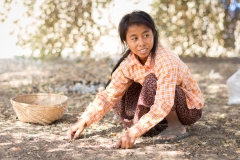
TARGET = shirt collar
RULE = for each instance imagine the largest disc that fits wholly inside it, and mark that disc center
(134, 60)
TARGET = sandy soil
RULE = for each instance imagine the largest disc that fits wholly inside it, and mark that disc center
(215, 136)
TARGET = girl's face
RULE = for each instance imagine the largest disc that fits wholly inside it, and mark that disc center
(140, 41)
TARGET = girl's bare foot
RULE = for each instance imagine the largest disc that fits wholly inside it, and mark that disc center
(175, 129)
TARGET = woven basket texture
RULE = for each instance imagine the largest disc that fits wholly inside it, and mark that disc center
(39, 108)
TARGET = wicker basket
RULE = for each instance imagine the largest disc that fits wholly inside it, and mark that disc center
(39, 108)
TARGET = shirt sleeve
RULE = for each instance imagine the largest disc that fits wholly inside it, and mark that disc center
(164, 100)
(106, 99)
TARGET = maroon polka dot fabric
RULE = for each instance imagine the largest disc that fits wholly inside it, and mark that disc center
(138, 99)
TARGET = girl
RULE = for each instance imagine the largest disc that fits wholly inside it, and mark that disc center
(149, 84)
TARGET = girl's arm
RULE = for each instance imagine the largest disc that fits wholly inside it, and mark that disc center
(106, 99)
(103, 102)
(164, 100)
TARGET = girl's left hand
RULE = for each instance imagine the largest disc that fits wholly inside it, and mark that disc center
(126, 141)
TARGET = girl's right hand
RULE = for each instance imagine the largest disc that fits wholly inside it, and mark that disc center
(76, 129)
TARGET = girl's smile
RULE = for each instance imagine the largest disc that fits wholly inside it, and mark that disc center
(140, 41)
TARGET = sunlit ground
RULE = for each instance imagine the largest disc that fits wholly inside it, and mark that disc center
(215, 136)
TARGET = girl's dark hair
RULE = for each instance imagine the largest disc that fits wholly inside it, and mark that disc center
(136, 17)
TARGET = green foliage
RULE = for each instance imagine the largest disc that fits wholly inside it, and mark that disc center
(196, 28)
(58, 25)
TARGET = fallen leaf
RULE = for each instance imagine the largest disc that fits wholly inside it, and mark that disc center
(35, 148)
(15, 149)
(114, 134)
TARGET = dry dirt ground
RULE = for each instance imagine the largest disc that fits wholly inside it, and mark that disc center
(215, 136)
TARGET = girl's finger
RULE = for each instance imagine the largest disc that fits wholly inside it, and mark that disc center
(131, 145)
(69, 133)
(127, 146)
(123, 145)
(118, 144)
(77, 133)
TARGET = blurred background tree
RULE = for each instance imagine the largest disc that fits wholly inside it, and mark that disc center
(58, 25)
(199, 28)
(188, 27)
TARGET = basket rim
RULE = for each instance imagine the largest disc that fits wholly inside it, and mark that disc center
(38, 94)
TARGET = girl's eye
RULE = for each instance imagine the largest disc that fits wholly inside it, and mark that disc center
(146, 35)
(134, 39)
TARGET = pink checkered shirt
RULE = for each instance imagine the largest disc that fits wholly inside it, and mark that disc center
(169, 70)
